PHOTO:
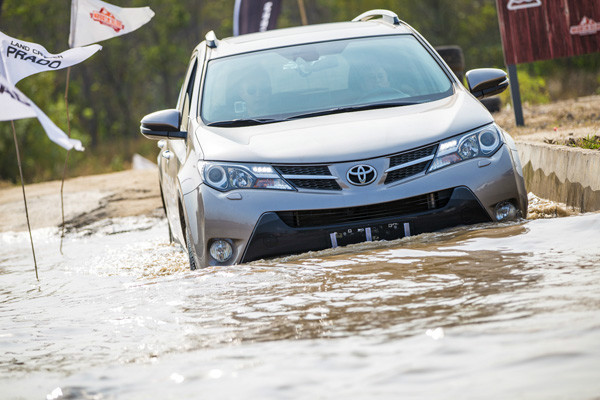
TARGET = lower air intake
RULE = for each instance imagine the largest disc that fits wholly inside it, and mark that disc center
(397, 208)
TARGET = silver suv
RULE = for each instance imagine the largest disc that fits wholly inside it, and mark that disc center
(321, 136)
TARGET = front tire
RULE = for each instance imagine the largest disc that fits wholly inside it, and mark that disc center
(162, 198)
(190, 251)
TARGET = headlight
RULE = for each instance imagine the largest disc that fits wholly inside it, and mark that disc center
(482, 142)
(225, 176)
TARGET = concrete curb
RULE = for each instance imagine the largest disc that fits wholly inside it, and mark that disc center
(563, 174)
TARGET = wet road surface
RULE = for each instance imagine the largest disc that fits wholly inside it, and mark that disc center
(501, 311)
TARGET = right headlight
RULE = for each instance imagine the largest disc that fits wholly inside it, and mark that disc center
(226, 176)
(482, 142)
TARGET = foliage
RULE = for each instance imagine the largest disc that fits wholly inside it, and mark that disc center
(591, 142)
(533, 89)
(588, 142)
(141, 72)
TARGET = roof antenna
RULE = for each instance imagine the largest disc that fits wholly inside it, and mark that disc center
(211, 40)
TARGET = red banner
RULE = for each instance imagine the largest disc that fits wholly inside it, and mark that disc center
(534, 30)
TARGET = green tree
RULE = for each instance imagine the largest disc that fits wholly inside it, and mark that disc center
(141, 72)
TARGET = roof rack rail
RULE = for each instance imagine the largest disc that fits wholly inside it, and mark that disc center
(211, 40)
(388, 16)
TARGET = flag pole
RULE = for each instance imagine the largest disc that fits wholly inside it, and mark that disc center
(302, 12)
(62, 184)
(22, 183)
(24, 197)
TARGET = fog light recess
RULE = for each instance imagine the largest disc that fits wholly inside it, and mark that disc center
(221, 250)
(506, 211)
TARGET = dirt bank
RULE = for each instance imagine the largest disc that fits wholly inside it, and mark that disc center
(135, 192)
(555, 122)
(87, 199)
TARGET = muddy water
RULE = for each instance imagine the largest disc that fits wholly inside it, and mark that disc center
(501, 311)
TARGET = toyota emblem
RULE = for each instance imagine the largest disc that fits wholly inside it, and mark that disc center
(361, 175)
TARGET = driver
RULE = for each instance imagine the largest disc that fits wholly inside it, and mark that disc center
(254, 91)
(374, 84)
(374, 78)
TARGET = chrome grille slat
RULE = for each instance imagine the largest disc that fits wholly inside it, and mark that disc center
(411, 155)
(407, 172)
(410, 163)
(310, 177)
(303, 169)
(315, 184)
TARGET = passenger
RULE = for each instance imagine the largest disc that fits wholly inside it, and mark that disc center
(254, 94)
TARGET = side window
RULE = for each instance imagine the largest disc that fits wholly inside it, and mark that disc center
(187, 97)
(183, 103)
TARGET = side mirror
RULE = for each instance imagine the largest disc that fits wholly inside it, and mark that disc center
(486, 82)
(162, 124)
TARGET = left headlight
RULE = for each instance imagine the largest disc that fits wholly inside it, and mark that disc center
(226, 176)
(482, 142)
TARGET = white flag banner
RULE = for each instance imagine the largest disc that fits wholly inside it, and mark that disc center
(94, 20)
(21, 58)
(15, 105)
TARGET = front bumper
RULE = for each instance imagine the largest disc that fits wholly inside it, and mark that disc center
(250, 219)
(273, 237)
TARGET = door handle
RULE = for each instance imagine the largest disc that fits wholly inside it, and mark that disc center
(167, 155)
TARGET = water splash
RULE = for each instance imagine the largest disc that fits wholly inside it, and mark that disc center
(543, 208)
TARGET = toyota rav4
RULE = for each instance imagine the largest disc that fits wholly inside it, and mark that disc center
(321, 136)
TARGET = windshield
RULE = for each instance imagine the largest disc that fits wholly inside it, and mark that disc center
(317, 78)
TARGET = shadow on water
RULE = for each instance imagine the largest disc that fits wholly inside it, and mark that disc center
(396, 289)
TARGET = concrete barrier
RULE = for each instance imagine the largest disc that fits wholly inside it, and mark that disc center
(563, 174)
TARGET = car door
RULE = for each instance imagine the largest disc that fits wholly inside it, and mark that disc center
(174, 153)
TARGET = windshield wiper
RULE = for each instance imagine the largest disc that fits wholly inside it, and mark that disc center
(244, 122)
(336, 110)
(362, 107)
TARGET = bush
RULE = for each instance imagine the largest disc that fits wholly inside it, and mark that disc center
(533, 89)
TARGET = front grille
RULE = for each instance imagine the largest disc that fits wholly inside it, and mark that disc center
(308, 176)
(397, 208)
(412, 155)
(407, 158)
(303, 169)
(315, 184)
(403, 173)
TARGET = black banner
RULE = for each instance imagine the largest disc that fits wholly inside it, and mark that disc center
(255, 16)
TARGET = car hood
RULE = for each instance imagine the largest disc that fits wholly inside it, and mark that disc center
(345, 137)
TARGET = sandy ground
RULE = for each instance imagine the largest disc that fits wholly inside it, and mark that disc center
(555, 122)
(135, 192)
(87, 199)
